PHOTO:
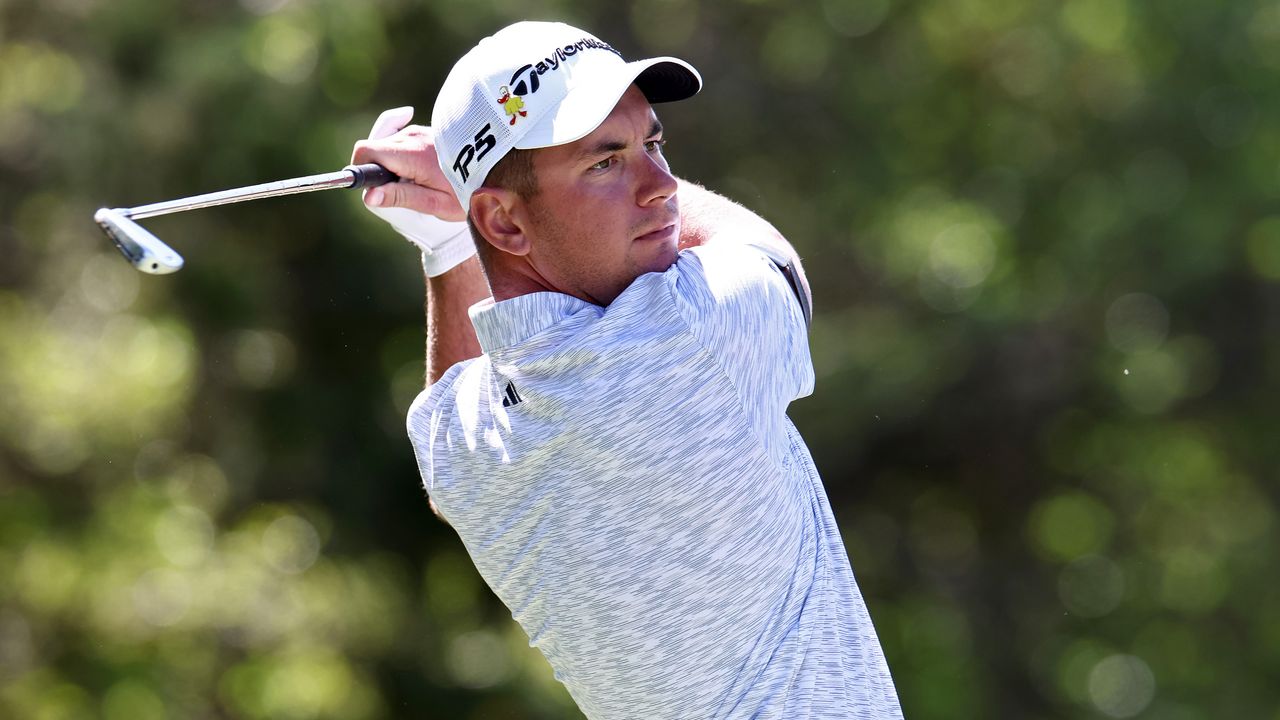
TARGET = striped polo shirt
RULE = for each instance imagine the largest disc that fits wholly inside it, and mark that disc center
(626, 480)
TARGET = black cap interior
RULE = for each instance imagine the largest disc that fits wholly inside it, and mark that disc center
(667, 82)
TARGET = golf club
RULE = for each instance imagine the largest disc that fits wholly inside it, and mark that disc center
(147, 253)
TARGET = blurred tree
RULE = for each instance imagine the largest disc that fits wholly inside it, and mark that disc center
(1045, 251)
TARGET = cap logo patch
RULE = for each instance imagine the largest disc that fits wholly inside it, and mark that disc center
(529, 83)
(512, 104)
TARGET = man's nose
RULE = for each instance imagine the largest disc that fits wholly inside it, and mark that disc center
(658, 183)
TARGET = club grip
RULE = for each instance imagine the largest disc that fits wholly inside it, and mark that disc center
(370, 175)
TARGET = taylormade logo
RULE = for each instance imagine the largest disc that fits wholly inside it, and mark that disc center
(529, 83)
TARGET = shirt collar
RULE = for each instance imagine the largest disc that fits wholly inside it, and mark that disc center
(512, 321)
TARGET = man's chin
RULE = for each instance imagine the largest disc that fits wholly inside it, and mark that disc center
(662, 260)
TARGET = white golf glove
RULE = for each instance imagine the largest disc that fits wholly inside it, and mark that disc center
(444, 243)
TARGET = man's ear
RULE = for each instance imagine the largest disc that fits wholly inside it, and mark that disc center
(499, 216)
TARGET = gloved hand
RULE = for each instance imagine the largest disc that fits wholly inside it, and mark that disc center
(444, 243)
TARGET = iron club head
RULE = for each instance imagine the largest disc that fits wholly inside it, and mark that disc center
(142, 249)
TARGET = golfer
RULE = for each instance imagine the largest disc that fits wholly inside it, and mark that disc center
(611, 354)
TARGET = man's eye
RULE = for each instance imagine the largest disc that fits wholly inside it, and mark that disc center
(654, 145)
(603, 164)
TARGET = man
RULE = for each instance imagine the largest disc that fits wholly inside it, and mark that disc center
(608, 434)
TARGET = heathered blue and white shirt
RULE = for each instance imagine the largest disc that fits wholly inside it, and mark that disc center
(626, 480)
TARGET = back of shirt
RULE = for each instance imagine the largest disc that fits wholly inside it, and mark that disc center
(627, 482)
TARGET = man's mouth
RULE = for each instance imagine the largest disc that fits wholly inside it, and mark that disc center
(663, 233)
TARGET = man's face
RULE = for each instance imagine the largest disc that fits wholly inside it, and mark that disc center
(606, 209)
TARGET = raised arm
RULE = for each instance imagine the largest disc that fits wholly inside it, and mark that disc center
(451, 338)
(706, 217)
(423, 208)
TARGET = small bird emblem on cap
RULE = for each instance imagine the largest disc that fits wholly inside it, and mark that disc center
(513, 104)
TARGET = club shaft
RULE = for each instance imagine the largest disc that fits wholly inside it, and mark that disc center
(344, 178)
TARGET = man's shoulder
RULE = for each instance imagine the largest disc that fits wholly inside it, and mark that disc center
(444, 392)
(727, 277)
(728, 265)
(726, 252)
(696, 271)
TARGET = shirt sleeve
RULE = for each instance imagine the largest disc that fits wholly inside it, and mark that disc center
(742, 308)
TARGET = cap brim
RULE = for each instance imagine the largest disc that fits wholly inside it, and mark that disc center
(589, 102)
(667, 79)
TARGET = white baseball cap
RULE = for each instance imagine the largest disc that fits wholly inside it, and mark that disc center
(534, 85)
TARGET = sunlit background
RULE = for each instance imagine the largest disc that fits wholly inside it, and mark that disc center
(1044, 240)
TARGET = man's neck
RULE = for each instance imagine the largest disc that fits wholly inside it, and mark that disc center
(512, 277)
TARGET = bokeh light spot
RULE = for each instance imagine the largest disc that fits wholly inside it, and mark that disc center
(962, 256)
(946, 298)
(184, 536)
(479, 659)
(197, 480)
(1153, 381)
(1121, 686)
(1070, 525)
(162, 597)
(262, 358)
(307, 683)
(48, 575)
(54, 445)
(39, 76)
(405, 384)
(108, 284)
(132, 700)
(1075, 663)
(283, 48)
(290, 544)
(1137, 322)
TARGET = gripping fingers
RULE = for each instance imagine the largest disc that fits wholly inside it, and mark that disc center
(408, 151)
(389, 123)
(415, 197)
(422, 206)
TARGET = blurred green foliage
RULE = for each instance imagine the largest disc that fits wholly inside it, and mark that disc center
(1045, 249)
